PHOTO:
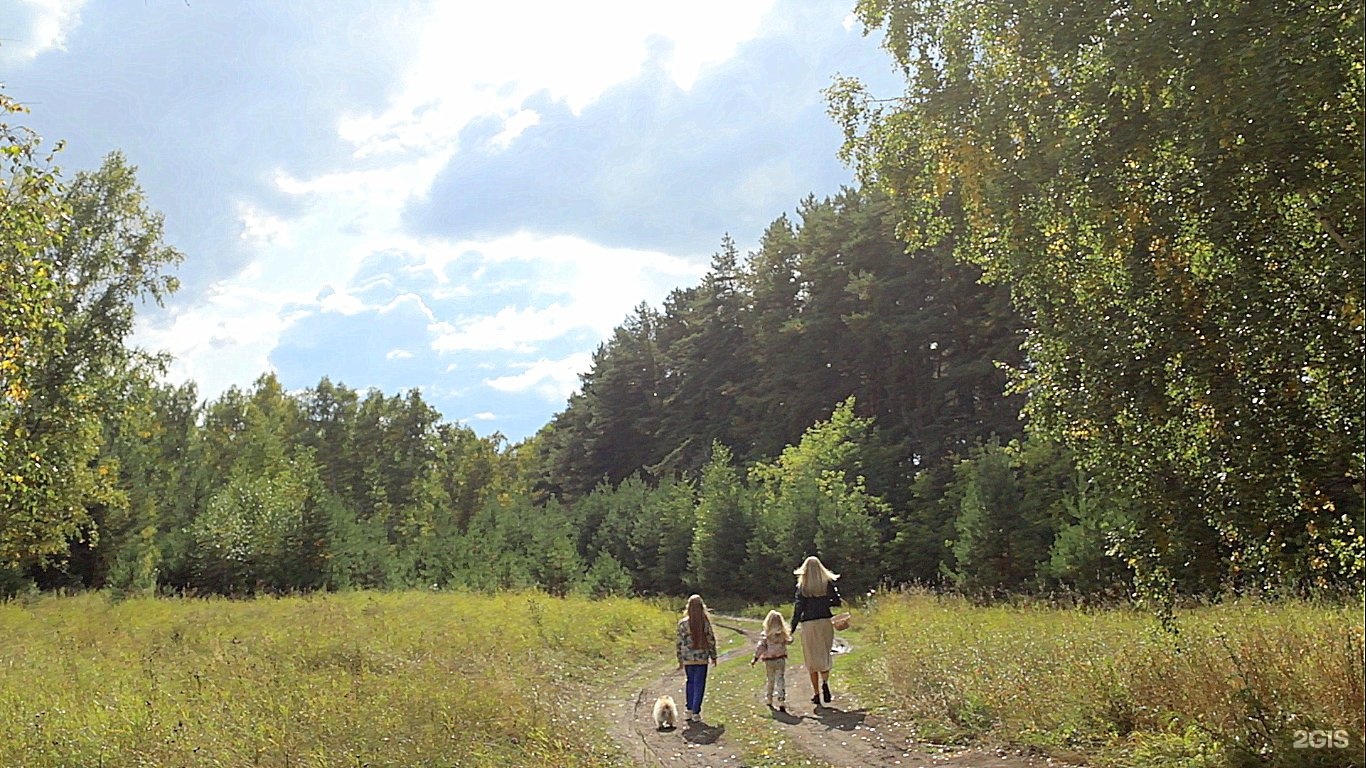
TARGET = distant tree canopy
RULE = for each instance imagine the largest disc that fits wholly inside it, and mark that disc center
(1174, 194)
(767, 346)
(1092, 323)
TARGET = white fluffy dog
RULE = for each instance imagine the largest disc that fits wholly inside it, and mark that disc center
(665, 713)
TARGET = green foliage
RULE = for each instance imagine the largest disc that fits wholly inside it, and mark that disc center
(328, 490)
(1081, 560)
(1232, 687)
(605, 578)
(918, 551)
(516, 545)
(812, 501)
(1173, 195)
(998, 545)
(37, 512)
(1028, 520)
(74, 258)
(134, 571)
(329, 680)
(759, 351)
(152, 436)
(243, 537)
(725, 524)
(661, 538)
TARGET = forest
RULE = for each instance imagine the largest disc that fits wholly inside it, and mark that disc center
(1088, 325)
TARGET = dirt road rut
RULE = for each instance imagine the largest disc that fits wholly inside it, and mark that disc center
(842, 734)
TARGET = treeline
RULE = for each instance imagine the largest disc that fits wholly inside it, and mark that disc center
(268, 491)
(828, 393)
(1092, 321)
(826, 308)
(920, 474)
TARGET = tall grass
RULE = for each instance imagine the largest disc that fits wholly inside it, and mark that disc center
(337, 680)
(1235, 684)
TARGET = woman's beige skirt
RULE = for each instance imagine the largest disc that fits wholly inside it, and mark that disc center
(818, 636)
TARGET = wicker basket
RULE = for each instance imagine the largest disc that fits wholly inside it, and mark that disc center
(841, 621)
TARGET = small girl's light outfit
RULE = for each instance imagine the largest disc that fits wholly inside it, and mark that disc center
(773, 652)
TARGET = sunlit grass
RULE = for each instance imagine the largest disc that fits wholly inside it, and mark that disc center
(438, 679)
(352, 679)
(1233, 685)
(735, 701)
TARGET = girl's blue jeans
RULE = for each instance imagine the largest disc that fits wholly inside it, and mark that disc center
(696, 686)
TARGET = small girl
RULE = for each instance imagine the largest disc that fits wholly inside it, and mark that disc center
(696, 647)
(772, 648)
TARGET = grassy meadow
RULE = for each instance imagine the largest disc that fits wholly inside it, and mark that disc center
(358, 679)
(447, 679)
(1236, 684)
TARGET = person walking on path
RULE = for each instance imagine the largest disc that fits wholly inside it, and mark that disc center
(696, 647)
(816, 595)
(772, 650)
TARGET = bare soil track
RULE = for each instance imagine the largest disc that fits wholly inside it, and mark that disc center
(843, 734)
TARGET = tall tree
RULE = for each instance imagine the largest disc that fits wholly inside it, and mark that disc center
(1173, 192)
(152, 438)
(93, 253)
(706, 363)
(813, 501)
(250, 534)
(330, 414)
(38, 512)
(1009, 501)
(662, 537)
(760, 350)
(724, 525)
(621, 397)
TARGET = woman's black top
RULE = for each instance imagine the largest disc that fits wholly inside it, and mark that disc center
(805, 607)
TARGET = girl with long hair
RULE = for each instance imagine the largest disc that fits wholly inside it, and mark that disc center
(696, 647)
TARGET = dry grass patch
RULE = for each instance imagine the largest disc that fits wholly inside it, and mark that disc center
(409, 679)
(1236, 684)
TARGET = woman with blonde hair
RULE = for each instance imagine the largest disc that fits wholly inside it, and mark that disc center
(816, 595)
(696, 646)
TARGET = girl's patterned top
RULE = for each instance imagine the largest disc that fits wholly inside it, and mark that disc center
(689, 655)
(771, 649)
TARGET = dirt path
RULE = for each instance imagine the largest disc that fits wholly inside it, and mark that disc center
(843, 734)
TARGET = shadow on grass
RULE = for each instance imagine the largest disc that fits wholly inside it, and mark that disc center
(840, 719)
(699, 732)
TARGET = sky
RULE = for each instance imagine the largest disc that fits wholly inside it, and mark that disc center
(462, 198)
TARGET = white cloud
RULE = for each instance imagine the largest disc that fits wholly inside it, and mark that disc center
(591, 288)
(29, 28)
(341, 303)
(228, 340)
(553, 380)
(295, 262)
(487, 59)
(398, 354)
(475, 62)
(513, 127)
(512, 328)
(260, 227)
